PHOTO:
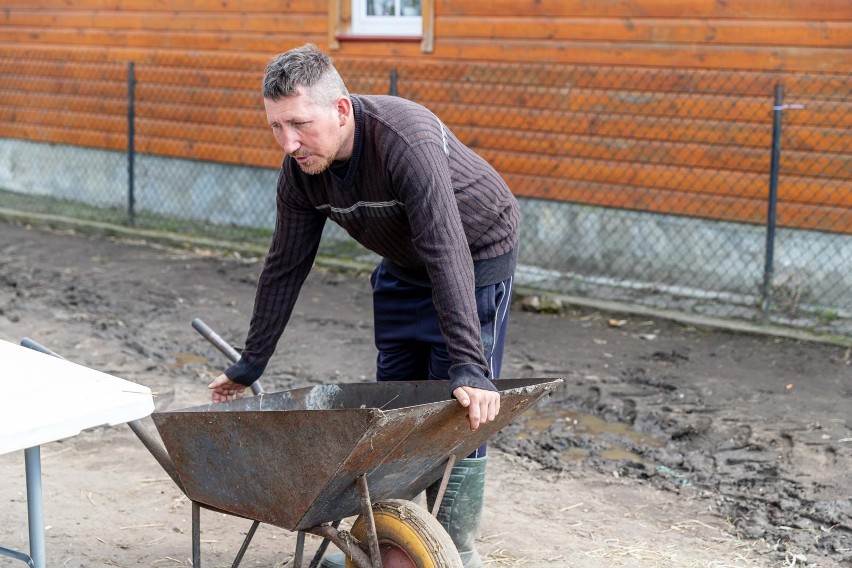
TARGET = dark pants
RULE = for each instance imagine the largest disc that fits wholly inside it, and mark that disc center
(411, 346)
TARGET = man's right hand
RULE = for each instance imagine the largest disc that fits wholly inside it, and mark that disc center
(224, 389)
(482, 405)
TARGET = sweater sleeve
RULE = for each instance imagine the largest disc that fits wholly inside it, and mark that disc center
(423, 177)
(295, 240)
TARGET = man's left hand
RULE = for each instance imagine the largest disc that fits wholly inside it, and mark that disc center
(483, 405)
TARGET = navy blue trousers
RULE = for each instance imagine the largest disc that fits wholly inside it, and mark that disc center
(408, 337)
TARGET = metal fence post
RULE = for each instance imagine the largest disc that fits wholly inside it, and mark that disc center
(393, 83)
(773, 199)
(131, 88)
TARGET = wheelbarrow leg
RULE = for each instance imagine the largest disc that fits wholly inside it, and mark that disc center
(300, 550)
(322, 548)
(367, 511)
(196, 535)
(443, 487)
(246, 543)
(345, 542)
(196, 538)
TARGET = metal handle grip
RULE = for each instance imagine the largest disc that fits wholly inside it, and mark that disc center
(222, 346)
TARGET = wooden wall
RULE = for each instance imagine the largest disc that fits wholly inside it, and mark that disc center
(645, 104)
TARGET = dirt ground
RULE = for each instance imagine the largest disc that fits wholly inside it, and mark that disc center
(667, 445)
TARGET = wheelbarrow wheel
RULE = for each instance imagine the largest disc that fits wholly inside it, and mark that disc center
(409, 537)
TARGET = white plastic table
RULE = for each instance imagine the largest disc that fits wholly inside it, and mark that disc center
(44, 399)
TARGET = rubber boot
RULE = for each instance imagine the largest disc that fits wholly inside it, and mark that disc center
(334, 559)
(461, 508)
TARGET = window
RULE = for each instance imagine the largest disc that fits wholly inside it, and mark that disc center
(401, 18)
(370, 20)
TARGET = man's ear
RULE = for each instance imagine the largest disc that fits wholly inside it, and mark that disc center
(344, 107)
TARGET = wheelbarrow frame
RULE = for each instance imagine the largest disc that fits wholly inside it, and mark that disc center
(327, 528)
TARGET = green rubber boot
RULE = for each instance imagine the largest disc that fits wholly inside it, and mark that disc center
(461, 508)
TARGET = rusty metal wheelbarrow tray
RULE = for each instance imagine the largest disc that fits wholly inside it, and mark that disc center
(292, 458)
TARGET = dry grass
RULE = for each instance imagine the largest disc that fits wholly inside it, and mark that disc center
(709, 547)
(625, 553)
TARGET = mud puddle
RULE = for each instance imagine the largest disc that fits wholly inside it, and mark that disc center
(656, 429)
(582, 436)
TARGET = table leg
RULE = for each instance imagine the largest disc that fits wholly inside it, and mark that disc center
(35, 512)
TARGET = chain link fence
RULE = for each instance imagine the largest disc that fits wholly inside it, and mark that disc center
(714, 192)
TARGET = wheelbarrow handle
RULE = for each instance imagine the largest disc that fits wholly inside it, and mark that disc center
(36, 346)
(222, 346)
(148, 440)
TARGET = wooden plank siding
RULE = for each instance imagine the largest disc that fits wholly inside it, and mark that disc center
(650, 105)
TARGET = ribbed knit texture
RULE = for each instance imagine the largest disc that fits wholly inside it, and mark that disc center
(414, 195)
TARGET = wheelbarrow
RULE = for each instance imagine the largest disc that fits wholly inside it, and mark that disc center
(304, 459)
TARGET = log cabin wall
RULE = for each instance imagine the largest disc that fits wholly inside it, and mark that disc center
(650, 105)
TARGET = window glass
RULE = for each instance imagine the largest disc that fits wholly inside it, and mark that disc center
(387, 17)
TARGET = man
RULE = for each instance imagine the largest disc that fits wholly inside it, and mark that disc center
(399, 182)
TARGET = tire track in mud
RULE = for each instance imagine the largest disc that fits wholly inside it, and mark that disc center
(652, 428)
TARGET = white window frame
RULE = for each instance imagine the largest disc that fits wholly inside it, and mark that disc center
(384, 26)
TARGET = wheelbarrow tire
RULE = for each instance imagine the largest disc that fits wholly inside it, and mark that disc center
(409, 537)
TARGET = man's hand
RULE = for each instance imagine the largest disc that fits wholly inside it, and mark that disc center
(483, 405)
(225, 389)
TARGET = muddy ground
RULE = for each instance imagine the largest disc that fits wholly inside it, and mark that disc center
(667, 445)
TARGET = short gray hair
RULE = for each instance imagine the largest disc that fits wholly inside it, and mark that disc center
(306, 67)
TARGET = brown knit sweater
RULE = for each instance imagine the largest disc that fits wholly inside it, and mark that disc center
(436, 212)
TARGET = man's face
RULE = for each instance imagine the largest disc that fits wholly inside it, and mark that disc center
(309, 132)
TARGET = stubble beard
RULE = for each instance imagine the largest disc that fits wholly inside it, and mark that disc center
(317, 166)
(318, 163)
